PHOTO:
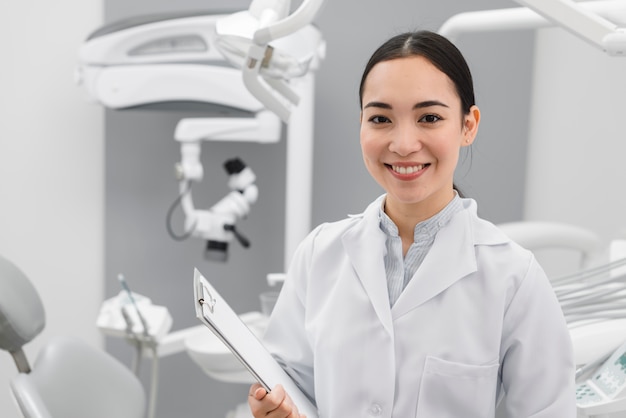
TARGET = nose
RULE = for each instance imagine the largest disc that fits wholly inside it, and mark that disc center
(405, 140)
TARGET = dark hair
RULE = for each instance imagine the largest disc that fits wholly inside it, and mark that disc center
(438, 50)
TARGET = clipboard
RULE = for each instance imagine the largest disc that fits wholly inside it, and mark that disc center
(214, 312)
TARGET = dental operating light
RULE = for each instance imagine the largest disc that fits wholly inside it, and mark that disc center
(255, 41)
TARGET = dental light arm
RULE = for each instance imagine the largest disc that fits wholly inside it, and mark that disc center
(581, 22)
(303, 16)
(265, 70)
(588, 20)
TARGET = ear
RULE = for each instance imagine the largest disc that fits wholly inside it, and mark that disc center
(470, 125)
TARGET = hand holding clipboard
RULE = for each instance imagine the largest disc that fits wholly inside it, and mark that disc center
(214, 312)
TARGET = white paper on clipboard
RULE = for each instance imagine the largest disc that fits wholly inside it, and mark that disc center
(214, 312)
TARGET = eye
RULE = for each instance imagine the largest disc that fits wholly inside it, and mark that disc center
(379, 119)
(430, 118)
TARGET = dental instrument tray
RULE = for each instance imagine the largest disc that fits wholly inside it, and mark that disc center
(214, 312)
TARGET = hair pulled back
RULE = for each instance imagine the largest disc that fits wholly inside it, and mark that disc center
(442, 53)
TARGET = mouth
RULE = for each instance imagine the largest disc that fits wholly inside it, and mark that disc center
(407, 170)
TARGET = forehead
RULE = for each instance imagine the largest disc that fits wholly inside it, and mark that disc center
(408, 76)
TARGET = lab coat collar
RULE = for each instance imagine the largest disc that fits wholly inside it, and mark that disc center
(364, 244)
(451, 258)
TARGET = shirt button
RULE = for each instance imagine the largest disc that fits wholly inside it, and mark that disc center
(375, 409)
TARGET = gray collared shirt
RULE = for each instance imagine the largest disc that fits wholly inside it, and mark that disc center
(400, 271)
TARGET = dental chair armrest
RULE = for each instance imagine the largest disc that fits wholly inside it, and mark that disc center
(27, 397)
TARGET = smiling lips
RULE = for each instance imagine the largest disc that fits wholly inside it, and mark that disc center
(407, 171)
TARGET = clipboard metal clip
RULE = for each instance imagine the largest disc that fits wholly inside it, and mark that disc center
(207, 300)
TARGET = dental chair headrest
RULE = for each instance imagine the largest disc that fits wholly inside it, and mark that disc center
(22, 316)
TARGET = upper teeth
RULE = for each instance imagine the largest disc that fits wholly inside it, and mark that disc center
(407, 170)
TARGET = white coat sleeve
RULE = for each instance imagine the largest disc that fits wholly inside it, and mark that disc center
(538, 371)
(286, 336)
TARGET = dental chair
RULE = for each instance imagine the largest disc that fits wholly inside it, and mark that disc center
(69, 378)
(538, 236)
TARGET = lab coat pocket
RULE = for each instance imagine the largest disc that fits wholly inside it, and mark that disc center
(452, 390)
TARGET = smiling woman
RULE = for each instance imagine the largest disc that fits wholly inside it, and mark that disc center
(417, 307)
(411, 135)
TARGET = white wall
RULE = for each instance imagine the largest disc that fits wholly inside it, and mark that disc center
(51, 168)
(576, 159)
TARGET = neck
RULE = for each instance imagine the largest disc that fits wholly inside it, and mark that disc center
(407, 216)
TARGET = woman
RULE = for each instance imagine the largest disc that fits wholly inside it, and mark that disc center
(417, 307)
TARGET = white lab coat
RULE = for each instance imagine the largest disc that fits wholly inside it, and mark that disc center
(478, 319)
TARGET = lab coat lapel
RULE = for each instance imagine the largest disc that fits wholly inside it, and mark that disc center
(364, 244)
(451, 258)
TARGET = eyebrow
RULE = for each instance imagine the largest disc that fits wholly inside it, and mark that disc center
(419, 105)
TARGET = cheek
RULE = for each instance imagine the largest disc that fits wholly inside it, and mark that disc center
(370, 145)
(370, 156)
(448, 146)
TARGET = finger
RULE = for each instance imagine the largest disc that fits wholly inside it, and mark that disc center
(259, 393)
(287, 404)
(279, 395)
(282, 403)
(259, 401)
(255, 393)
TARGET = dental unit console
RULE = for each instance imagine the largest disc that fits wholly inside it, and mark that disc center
(605, 391)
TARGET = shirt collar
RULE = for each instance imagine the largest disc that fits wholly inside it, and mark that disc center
(428, 227)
